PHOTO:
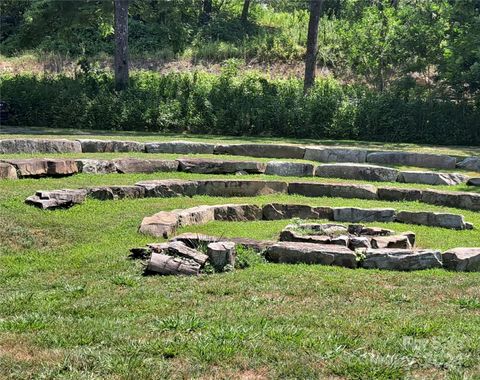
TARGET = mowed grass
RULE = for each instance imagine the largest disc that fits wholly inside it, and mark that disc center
(35, 132)
(73, 306)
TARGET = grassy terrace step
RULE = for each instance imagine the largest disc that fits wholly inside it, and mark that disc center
(73, 306)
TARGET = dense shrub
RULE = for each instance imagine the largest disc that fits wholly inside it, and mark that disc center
(233, 104)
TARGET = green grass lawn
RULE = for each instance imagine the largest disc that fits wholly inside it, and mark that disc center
(74, 307)
(32, 132)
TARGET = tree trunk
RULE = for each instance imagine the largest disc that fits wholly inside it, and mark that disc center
(312, 41)
(121, 44)
(206, 12)
(246, 6)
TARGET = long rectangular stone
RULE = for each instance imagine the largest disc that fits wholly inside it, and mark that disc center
(465, 200)
(277, 211)
(327, 154)
(169, 188)
(240, 188)
(398, 194)
(30, 146)
(214, 166)
(360, 172)
(311, 253)
(433, 219)
(356, 215)
(422, 160)
(179, 147)
(261, 150)
(109, 146)
(312, 189)
(401, 259)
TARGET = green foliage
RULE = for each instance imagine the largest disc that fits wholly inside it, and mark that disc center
(239, 104)
(247, 258)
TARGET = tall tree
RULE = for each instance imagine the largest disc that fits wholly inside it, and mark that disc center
(312, 44)
(121, 44)
(246, 6)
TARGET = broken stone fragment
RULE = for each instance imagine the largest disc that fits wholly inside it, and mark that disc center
(168, 265)
(221, 254)
(462, 259)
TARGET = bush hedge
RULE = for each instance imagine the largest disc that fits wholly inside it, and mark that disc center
(233, 104)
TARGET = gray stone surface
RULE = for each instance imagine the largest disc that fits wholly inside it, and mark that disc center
(474, 181)
(432, 178)
(237, 212)
(312, 189)
(162, 224)
(359, 242)
(43, 167)
(92, 166)
(240, 188)
(179, 147)
(221, 254)
(55, 199)
(101, 193)
(432, 219)
(195, 215)
(457, 199)
(213, 166)
(361, 172)
(7, 171)
(277, 211)
(293, 235)
(168, 265)
(462, 259)
(169, 188)
(421, 160)
(293, 169)
(310, 253)
(394, 241)
(30, 146)
(470, 163)
(261, 150)
(327, 154)
(121, 192)
(401, 259)
(397, 194)
(109, 146)
(356, 215)
(135, 165)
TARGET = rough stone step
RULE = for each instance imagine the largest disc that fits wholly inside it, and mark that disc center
(261, 150)
(292, 169)
(432, 219)
(401, 259)
(312, 189)
(110, 146)
(179, 147)
(432, 178)
(420, 160)
(361, 172)
(356, 215)
(278, 211)
(43, 167)
(57, 198)
(31, 146)
(211, 166)
(310, 253)
(168, 265)
(134, 165)
(7, 171)
(470, 163)
(92, 166)
(462, 259)
(474, 182)
(326, 154)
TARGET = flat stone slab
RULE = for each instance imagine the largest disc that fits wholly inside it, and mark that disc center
(179, 147)
(470, 163)
(356, 215)
(110, 146)
(93, 166)
(237, 212)
(432, 219)
(261, 150)
(135, 165)
(7, 171)
(473, 182)
(30, 146)
(462, 259)
(212, 166)
(421, 160)
(195, 215)
(432, 178)
(177, 248)
(401, 259)
(312, 189)
(310, 253)
(361, 172)
(327, 154)
(43, 167)
(457, 199)
(292, 169)
(278, 211)
(394, 241)
(397, 194)
(55, 199)
(169, 188)
(162, 224)
(168, 265)
(240, 188)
